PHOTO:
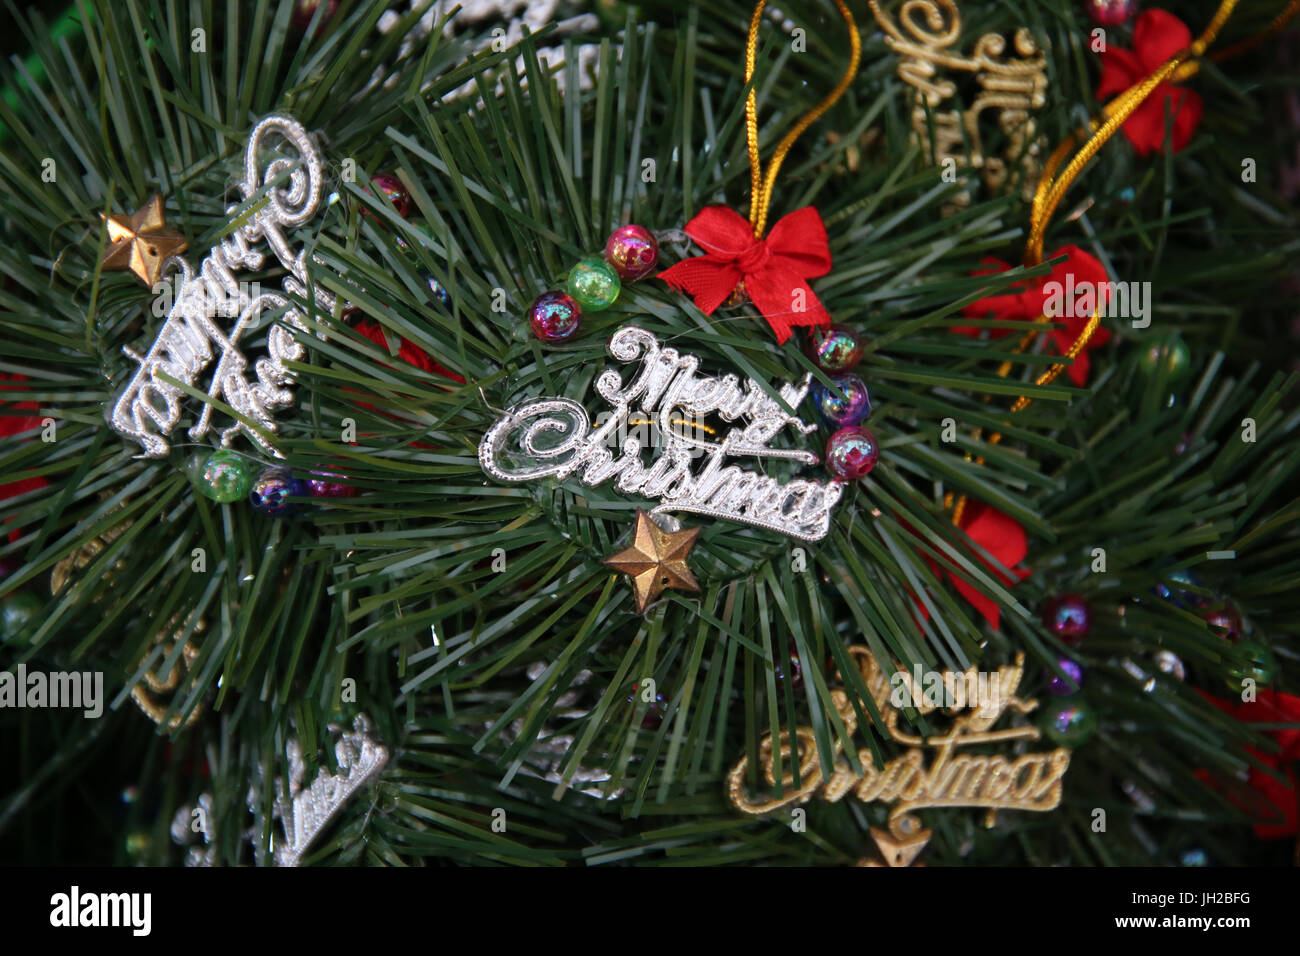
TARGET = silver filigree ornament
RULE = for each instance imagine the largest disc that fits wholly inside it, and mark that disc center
(554, 437)
(283, 196)
(306, 811)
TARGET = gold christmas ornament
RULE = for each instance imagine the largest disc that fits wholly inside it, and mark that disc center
(70, 565)
(656, 560)
(153, 695)
(1013, 86)
(142, 242)
(952, 778)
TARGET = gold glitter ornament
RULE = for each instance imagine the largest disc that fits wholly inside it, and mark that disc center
(656, 560)
(141, 242)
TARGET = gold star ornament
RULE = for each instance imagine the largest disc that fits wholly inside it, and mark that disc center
(142, 242)
(656, 560)
(901, 845)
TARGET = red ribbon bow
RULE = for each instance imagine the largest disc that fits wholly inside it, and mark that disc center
(774, 269)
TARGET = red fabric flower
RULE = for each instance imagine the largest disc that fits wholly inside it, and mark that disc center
(11, 425)
(1157, 36)
(408, 351)
(1001, 536)
(1277, 801)
(1065, 293)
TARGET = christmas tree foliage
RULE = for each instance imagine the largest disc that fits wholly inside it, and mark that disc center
(531, 715)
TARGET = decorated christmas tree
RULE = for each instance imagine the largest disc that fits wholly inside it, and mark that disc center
(671, 434)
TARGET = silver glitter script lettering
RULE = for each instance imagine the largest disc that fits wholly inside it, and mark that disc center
(554, 437)
(149, 408)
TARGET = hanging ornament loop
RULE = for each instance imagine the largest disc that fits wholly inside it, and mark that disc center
(761, 183)
(1052, 188)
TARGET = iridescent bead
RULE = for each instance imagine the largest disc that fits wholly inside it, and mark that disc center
(654, 712)
(1067, 616)
(271, 492)
(1170, 589)
(593, 283)
(851, 453)
(329, 484)
(1226, 619)
(18, 609)
(554, 317)
(834, 350)
(225, 477)
(1058, 686)
(1256, 662)
(391, 188)
(792, 667)
(439, 291)
(1170, 356)
(1110, 13)
(1069, 723)
(305, 10)
(837, 411)
(632, 251)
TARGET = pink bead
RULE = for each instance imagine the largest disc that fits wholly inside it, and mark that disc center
(632, 251)
(851, 453)
(1110, 13)
(391, 188)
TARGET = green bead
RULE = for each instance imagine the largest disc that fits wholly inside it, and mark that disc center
(1171, 355)
(226, 477)
(17, 610)
(594, 284)
(1256, 661)
(1069, 723)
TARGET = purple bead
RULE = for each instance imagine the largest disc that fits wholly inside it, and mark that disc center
(439, 290)
(632, 251)
(554, 316)
(837, 412)
(851, 453)
(329, 484)
(835, 349)
(273, 489)
(654, 712)
(1067, 616)
(1058, 686)
(1110, 13)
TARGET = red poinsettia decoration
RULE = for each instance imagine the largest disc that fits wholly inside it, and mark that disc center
(1069, 294)
(774, 270)
(1004, 538)
(10, 425)
(1277, 801)
(407, 351)
(1157, 36)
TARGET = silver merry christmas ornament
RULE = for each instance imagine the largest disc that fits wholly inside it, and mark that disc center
(554, 437)
(305, 811)
(284, 196)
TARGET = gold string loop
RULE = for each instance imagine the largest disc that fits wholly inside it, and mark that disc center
(761, 184)
(1052, 188)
